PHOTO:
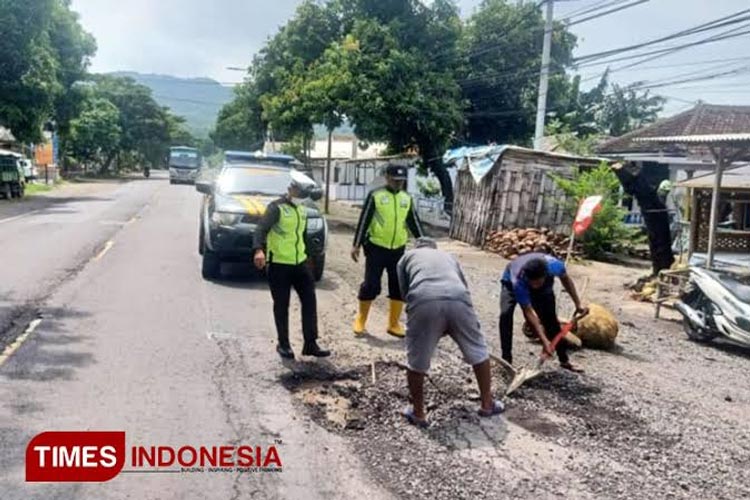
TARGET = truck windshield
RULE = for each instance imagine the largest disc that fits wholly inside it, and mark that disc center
(184, 158)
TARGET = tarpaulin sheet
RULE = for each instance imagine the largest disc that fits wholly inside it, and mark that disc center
(479, 160)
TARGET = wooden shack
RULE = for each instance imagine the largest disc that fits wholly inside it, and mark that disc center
(512, 189)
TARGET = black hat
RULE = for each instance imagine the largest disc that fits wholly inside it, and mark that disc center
(397, 172)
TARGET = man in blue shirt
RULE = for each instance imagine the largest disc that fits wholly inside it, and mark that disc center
(529, 282)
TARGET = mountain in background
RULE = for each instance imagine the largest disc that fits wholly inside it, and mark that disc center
(198, 100)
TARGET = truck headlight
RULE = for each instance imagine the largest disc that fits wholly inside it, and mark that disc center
(315, 224)
(225, 218)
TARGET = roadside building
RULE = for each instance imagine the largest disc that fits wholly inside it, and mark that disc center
(676, 162)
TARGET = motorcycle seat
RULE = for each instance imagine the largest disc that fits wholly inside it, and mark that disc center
(735, 286)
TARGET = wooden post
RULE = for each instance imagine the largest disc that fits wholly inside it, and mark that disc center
(328, 171)
(715, 201)
(693, 218)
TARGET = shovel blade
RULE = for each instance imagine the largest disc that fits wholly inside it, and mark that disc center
(523, 376)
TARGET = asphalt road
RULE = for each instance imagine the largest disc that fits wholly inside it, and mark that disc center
(132, 339)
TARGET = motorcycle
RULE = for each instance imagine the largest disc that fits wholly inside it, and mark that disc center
(716, 303)
(146, 172)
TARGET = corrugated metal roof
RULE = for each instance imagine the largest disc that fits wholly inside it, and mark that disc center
(735, 178)
(698, 139)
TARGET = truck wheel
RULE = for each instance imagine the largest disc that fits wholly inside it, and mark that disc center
(319, 264)
(6, 191)
(211, 265)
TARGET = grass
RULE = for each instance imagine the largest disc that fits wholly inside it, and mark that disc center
(36, 188)
(32, 189)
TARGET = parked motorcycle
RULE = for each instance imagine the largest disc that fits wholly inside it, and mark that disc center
(716, 303)
(147, 172)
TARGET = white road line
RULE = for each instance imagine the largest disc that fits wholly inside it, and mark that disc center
(103, 251)
(8, 352)
(11, 219)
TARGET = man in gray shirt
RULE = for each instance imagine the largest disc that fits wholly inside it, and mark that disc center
(438, 303)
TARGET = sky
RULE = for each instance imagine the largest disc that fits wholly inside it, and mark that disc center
(201, 38)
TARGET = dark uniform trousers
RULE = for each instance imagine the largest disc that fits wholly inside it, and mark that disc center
(543, 302)
(378, 259)
(281, 279)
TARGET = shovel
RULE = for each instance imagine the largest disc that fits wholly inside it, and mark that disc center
(527, 373)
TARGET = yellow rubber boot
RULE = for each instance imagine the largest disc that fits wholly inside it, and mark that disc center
(361, 320)
(395, 327)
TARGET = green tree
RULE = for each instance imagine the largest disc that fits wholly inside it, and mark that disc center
(501, 50)
(404, 95)
(609, 109)
(626, 109)
(608, 232)
(145, 125)
(28, 68)
(73, 48)
(240, 123)
(96, 133)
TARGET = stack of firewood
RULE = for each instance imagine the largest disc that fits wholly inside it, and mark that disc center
(514, 242)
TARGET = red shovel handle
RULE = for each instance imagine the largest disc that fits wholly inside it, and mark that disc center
(566, 328)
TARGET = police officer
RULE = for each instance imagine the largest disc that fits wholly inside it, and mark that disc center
(383, 230)
(280, 245)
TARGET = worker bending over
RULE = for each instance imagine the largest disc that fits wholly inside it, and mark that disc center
(529, 281)
(280, 245)
(438, 304)
(383, 231)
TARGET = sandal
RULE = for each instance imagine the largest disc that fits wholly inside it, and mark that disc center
(571, 367)
(497, 408)
(413, 420)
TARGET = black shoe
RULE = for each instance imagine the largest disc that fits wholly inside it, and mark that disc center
(315, 350)
(285, 352)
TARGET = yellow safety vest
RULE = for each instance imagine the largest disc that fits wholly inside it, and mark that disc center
(286, 240)
(388, 227)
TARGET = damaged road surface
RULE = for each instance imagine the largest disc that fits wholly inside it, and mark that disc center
(132, 339)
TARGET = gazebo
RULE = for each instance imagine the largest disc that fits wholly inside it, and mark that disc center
(726, 149)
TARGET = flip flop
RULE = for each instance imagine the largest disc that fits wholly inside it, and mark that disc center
(497, 408)
(409, 415)
(571, 367)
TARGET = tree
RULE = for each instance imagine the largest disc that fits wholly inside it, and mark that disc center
(608, 232)
(73, 48)
(501, 50)
(609, 109)
(403, 94)
(145, 125)
(96, 133)
(28, 83)
(626, 109)
(240, 124)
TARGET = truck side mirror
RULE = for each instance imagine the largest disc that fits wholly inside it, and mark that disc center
(204, 187)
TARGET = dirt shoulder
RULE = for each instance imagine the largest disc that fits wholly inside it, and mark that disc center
(659, 416)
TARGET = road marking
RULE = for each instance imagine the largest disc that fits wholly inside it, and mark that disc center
(8, 352)
(103, 251)
(11, 219)
(219, 335)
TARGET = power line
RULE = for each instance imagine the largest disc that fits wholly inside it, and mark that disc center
(591, 8)
(608, 12)
(724, 21)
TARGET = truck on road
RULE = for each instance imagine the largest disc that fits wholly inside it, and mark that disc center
(12, 178)
(184, 165)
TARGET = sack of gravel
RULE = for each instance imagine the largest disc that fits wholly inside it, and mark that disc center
(599, 329)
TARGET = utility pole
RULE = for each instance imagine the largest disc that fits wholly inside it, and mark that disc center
(541, 107)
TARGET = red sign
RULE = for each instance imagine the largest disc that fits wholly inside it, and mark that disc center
(75, 456)
(586, 211)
